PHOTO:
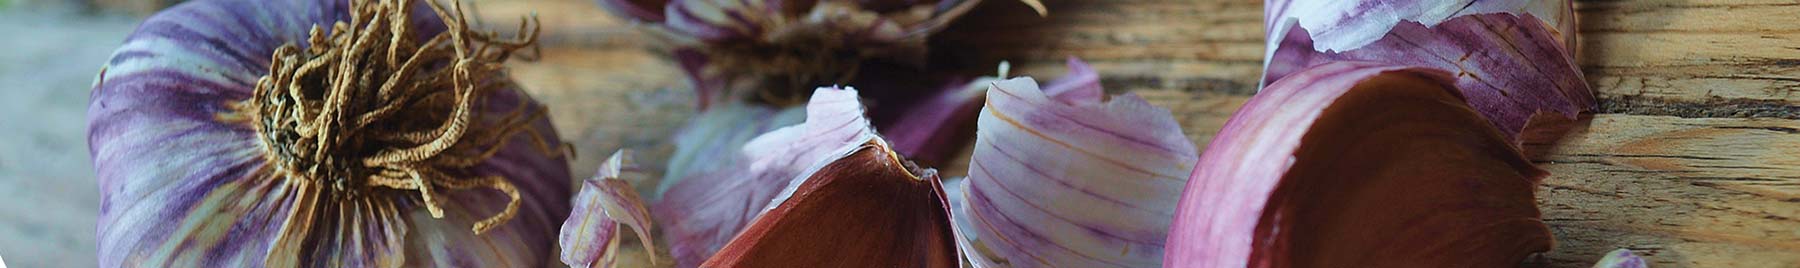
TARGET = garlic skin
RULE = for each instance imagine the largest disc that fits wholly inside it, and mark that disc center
(590, 237)
(856, 203)
(1061, 177)
(1621, 258)
(1358, 164)
(1514, 59)
(185, 181)
(705, 210)
(867, 208)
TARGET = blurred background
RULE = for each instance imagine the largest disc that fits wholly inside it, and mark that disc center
(48, 59)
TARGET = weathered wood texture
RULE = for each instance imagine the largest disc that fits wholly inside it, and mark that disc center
(1693, 160)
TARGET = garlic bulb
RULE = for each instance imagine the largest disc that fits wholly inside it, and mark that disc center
(363, 133)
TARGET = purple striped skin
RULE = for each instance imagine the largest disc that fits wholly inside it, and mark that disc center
(1221, 207)
(1232, 214)
(1508, 66)
(181, 187)
(1346, 25)
(705, 210)
(589, 238)
(1060, 177)
(1513, 59)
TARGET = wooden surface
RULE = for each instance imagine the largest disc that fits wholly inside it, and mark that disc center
(1693, 160)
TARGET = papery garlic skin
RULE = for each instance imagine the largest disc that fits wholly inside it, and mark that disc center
(1358, 164)
(590, 237)
(1513, 58)
(1060, 177)
(1510, 69)
(1346, 25)
(184, 183)
(1621, 258)
(705, 210)
(859, 204)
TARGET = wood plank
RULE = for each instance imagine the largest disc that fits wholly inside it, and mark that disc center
(1686, 192)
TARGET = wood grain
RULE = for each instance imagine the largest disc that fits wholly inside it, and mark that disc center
(1693, 160)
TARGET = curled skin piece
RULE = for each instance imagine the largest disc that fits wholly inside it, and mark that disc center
(705, 210)
(1358, 164)
(1510, 67)
(1061, 177)
(864, 207)
(590, 237)
(1621, 258)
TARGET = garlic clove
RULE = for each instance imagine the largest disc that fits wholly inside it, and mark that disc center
(705, 210)
(866, 208)
(1358, 164)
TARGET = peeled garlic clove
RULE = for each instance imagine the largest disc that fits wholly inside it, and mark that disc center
(865, 208)
(1060, 177)
(1357, 164)
(705, 210)
(1510, 67)
(590, 237)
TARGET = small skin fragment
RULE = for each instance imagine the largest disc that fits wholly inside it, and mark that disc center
(1621, 258)
(590, 237)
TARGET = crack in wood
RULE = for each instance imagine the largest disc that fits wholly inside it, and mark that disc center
(1787, 130)
(1688, 157)
(1715, 107)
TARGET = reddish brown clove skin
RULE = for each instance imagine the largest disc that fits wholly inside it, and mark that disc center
(1400, 173)
(867, 209)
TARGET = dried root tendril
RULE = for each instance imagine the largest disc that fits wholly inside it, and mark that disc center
(368, 112)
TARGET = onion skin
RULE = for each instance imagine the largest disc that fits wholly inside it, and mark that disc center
(182, 185)
(1436, 186)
